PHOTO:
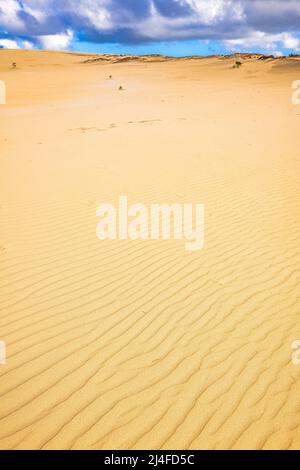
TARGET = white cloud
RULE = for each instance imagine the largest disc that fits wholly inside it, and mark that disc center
(201, 14)
(259, 40)
(212, 11)
(39, 15)
(56, 41)
(9, 18)
(27, 45)
(9, 44)
(290, 42)
(97, 13)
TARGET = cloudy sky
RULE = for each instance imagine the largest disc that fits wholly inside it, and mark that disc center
(174, 27)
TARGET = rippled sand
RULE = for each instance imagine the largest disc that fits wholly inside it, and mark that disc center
(141, 344)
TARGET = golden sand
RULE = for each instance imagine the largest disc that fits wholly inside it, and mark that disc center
(141, 344)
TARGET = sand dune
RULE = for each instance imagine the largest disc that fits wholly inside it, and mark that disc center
(141, 344)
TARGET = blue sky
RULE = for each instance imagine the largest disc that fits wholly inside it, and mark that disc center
(171, 27)
(172, 48)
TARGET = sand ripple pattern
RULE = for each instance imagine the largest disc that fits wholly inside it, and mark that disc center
(142, 345)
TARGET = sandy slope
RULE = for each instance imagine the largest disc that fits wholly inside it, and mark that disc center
(143, 344)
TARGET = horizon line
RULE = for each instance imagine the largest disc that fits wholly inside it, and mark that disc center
(231, 54)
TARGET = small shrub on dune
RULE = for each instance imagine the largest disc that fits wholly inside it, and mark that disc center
(237, 64)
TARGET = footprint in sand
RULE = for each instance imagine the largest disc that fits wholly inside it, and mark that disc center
(83, 130)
